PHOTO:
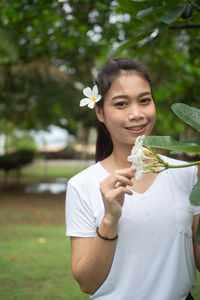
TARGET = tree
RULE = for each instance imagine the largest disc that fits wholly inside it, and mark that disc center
(44, 56)
(47, 59)
(166, 36)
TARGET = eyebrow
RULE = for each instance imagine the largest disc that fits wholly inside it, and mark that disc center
(127, 97)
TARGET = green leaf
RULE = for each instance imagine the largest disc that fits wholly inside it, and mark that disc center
(188, 10)
(162, 27)
(193, 140)
(195, 194)
(130, 6)
(8, 43)
(167, 142)
(172, 15)
(128, 43)
(196, 6)
(144, 12)
(188, 114)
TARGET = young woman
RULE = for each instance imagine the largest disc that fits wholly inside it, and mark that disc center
(130, 239)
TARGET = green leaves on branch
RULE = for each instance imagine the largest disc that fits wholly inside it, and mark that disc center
(172, 15)
(169, 143)
(8, 45)
(188, 114)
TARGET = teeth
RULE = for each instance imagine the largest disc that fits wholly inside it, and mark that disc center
(136, 128)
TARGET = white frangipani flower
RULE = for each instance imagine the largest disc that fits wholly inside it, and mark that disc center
(140, 155)
(137, 156)
(92, 97)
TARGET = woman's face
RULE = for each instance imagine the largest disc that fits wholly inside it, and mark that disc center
(129, 109)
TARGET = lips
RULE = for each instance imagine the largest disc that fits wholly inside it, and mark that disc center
(136, 128)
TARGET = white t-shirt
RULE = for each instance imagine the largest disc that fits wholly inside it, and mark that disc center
(154, 257)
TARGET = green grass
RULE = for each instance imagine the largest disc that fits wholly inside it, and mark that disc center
(34, 172)
(32, 270)
(196, 290)
(52, 171)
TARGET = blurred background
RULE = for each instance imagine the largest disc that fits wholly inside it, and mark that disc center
(49, 52)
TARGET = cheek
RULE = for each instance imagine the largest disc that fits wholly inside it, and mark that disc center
(152, 113)
(113, 118)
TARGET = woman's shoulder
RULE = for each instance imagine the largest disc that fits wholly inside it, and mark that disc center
(86, 176)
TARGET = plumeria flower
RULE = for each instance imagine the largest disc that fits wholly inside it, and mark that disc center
(138, 151)
(137, 156)
(92, 97)
(140, 155)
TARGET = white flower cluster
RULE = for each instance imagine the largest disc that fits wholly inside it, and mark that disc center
(138, 154)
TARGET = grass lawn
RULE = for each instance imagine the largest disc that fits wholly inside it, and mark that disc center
(34, 252)
(36, 172)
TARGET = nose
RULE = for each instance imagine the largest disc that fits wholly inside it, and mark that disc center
(135, 113)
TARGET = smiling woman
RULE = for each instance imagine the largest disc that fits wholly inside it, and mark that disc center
(130, 239)
(128, 112)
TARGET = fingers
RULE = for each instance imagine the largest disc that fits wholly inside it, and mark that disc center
(116, 183)
(113, 189)
(119, 178)
(121, 190)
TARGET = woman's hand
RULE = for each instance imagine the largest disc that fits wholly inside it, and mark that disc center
(113, 189)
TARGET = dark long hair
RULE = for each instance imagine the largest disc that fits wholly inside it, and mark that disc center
(108, 73)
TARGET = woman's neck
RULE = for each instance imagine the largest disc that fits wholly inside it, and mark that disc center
(118, 158)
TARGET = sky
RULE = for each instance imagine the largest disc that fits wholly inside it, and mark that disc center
(55, 138)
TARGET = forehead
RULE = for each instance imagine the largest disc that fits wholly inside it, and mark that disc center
(128, 83)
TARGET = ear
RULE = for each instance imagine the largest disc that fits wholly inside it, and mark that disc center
(99, 113)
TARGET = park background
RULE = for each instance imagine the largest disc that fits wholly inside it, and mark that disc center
(50, 51)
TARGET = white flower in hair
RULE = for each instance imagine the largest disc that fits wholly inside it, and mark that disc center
(92, 97)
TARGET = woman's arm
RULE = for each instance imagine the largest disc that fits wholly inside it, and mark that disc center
(195, 243)
(92, 257)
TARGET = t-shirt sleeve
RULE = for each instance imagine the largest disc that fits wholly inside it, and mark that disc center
(80, 221)
(195, 209)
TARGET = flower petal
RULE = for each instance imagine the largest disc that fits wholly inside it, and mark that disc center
(98, 98)
(138, 174)
(85, 101)
(88, 92)
(91, 105)
(95, 91)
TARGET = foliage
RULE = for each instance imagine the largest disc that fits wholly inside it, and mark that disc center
(165, 35)
(48, 58)
(15, 161)
(14, 139)
(44, 56)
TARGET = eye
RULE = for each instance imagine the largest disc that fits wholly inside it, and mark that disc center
(120, 104)
(145, 100)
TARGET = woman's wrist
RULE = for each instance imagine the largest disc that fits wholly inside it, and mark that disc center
(110, 221)
(105, 237)
(108, 227)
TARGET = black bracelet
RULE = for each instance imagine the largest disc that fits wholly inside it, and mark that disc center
(105, 237)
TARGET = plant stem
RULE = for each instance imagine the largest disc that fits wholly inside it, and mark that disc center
(165, 166)
(184, 166)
